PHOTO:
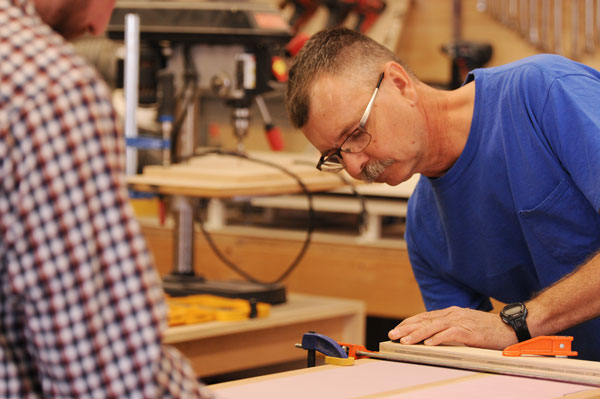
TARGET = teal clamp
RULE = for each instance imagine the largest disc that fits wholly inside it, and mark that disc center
(314, 342)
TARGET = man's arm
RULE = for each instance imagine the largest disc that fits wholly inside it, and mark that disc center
(570, 301)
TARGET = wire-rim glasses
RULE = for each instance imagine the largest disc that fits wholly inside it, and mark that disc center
(355, 142)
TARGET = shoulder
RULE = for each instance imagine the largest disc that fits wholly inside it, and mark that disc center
(540, 69)
(43, 77)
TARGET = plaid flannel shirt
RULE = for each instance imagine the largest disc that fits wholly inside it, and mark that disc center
(81, 306)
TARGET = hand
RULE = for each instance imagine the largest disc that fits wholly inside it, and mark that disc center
(456, 325)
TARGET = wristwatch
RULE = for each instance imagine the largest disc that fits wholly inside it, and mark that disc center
(514, 315)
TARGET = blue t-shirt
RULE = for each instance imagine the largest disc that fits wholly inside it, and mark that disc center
(519, 208)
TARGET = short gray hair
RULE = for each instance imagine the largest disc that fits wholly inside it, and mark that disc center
(332, 51)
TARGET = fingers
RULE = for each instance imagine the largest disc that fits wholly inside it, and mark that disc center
(403, 330)
(419, 331)
(430, 327)
(451, 335)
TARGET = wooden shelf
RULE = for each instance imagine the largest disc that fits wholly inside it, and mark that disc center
(221, 347)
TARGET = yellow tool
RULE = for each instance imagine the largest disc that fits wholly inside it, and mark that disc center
(193, 309)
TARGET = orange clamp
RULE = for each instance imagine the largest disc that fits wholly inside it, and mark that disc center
(353, 348)
(542, 345)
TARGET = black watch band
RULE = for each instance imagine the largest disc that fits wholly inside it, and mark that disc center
(514, 315)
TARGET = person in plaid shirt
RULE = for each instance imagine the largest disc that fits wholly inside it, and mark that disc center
(82, 310)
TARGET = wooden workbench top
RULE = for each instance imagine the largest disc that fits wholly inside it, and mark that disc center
(369, 378)
(225, 176)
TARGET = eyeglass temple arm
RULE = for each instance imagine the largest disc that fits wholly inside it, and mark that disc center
(365, 116)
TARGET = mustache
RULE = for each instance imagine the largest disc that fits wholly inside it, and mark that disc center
(373, 169)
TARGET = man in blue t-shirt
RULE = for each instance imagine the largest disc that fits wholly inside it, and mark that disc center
(508, 203)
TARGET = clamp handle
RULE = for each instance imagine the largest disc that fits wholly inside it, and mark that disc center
(542, 345)
(315, 342)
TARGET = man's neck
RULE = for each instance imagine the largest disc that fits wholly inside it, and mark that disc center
(448, 115)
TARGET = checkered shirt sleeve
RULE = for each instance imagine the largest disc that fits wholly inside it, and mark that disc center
(81, 306)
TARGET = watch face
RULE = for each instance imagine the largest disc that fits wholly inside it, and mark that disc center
(514, 315)
(513, 310)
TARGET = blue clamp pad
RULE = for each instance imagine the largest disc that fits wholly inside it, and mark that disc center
(140, 195)
(147, 143)
(323, 344)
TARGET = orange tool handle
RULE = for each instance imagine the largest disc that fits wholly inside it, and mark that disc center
(543, 345)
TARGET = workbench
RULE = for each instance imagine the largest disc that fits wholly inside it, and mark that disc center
(221, 347)
(369, 378)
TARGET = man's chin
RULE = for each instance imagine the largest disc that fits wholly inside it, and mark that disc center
(369, 179)
(72, 34)
(390, 178)
(370, 175)
(70, 31)
(390, 181)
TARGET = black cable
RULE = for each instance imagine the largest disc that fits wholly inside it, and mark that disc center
(363, 214)
(309, 231)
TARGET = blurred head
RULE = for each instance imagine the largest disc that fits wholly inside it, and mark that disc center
(73, 18)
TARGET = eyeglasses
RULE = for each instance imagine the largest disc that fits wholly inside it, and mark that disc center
(356, 141)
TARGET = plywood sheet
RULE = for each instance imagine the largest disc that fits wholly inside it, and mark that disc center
(383, 379)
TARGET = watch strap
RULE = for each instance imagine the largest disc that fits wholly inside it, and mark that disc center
(521, 329)
(517, 321)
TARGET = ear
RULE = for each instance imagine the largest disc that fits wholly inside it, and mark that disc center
(402, 80)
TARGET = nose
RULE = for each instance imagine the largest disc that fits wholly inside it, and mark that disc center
(354, 163)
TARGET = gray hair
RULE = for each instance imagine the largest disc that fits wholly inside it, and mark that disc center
(332, 51)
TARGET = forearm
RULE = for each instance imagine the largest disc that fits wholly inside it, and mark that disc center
(570, 301)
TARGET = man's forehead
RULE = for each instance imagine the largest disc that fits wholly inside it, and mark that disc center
(333, 90)
(331, 113)
(325, 101)
(322, 86)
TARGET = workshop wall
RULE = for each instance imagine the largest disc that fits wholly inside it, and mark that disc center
(428, 25)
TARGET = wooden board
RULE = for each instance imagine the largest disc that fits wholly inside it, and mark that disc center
(552, 368)
(223, 176)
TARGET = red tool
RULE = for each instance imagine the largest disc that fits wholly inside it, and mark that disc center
(303, 11)
(273, 133)
(296, 44)
(368, 12)
(542, 345)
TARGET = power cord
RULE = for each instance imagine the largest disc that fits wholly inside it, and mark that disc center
(363, 214)
(309, 231)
